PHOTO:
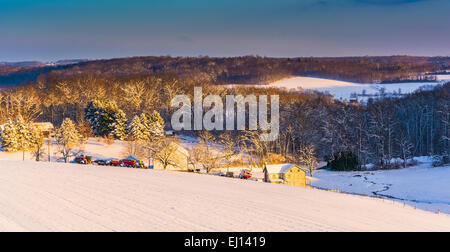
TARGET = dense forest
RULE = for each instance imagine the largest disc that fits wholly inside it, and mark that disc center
(238, 70)
(416, 125)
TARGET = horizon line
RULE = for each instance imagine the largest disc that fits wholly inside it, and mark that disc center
(224, 56)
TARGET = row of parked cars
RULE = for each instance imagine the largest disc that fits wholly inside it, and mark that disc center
(130, 161)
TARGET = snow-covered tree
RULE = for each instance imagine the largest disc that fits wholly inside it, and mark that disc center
(148, 130)
(147, 127)
(120, 126)
(24, 136)
(106, 118)
(9, 137)
(94, 115)
(308, 157)
(67, 138)
(115, 121)
(136, 128)
(153, 125)
(37, 142)
(445, 120)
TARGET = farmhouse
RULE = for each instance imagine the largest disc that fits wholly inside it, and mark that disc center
(289, 174)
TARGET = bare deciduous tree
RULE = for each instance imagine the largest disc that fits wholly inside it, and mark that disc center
(308, 158)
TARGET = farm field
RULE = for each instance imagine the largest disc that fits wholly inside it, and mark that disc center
(342, 90)
(421, 186)
(418, 186)
(39, 196)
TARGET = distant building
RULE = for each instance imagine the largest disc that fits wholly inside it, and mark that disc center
(46, 127)
(288, 174)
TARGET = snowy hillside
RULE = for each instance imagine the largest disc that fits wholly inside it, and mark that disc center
(344, 90)
(68, 197)
(421, 186)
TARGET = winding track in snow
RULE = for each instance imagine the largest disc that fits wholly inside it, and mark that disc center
(386, 187)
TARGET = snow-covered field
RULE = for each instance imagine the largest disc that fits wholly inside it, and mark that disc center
(343, 90)
(421, 186)
(98, 149)
(69, 197)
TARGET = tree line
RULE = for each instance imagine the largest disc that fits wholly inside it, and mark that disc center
(138, 108)
(240, 70)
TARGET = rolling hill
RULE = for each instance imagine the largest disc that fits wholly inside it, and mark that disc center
(68, 197)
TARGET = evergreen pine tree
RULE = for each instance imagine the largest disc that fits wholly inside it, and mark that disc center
(147, 127)
(106, 119)
(136, 129)
(154, 126)
(67, 138)
(24, 136)
(114, 121)
(119, 126)
(9, 137)
(94, 115)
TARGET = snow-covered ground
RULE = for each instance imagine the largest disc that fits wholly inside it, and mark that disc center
(344, 90)
(443, 77)
(69, 197)
(71, 190)
(421, 186)
(95, 147)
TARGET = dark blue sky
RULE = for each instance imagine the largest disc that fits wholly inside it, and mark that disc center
(51, 29)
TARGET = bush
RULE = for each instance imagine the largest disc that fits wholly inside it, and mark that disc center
(446, 159)
(440, 161)
(344, 161)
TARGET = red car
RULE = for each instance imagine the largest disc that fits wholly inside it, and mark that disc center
(115, 163)
(128, 163)
(245, 174)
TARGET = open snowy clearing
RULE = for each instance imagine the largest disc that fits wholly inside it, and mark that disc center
(343, 90)
(421, 186)
(68, 197)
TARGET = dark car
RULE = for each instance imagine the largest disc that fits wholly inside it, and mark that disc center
(101, 162)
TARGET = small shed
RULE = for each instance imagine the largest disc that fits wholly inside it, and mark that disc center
(289, 174)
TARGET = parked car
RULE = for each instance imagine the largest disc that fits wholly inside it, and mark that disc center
(83, 159)
(229, 175)
(140, 164)
(115, 162)
(132, 161)
(102, 162)
(128, 163)
(245, 174)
